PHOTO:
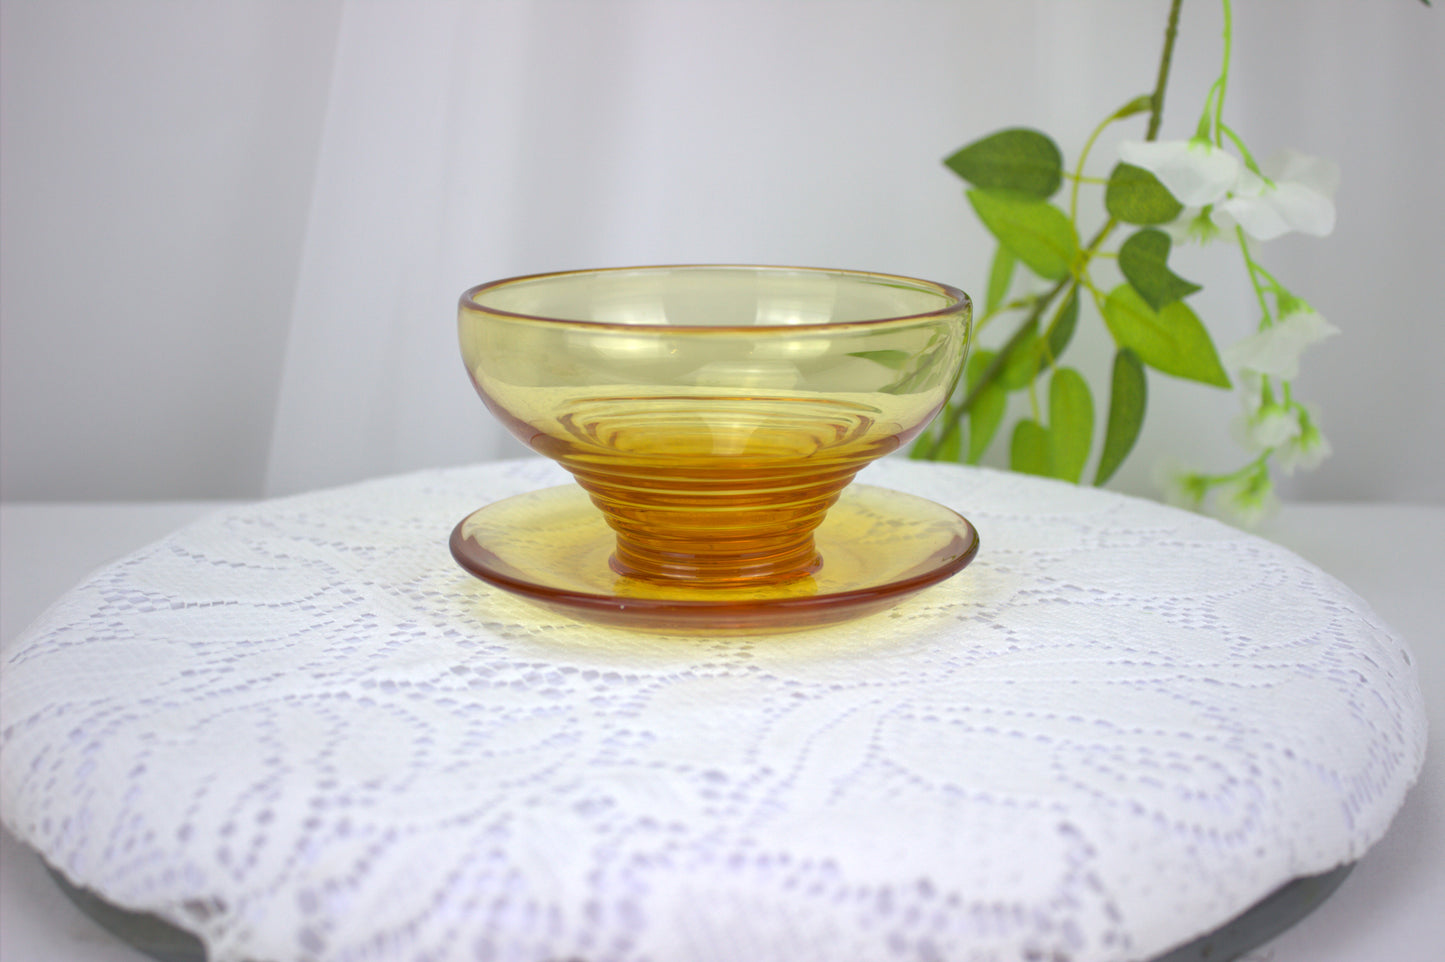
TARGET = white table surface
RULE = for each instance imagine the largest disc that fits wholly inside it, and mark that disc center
(1392, 907)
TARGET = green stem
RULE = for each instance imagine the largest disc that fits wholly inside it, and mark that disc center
(1166, 58)
(1243, 471)
(953, 415)
(1078, 177)
(1254, 271)
(1243, 150)
(950, 419)
(1013, 305)
(1204, 130)
(1223, 75)
(1274, 284)
(1266, 318)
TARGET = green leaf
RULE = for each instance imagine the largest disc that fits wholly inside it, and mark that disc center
(1071, 424)
(1138, 105)
(1135, 196)
(984, 420)
(1022, 364)
(1037, 232)
(1000, 276)
(1128, 396)
(1061, 328)
(978, 363)
(1144, 261)
(950, 448)
(889, 359)
(1172, 340)
(1029, 450)
(1017, 159)
(987, 412)
(922, 447)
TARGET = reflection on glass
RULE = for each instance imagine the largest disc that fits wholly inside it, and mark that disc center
(714, 414)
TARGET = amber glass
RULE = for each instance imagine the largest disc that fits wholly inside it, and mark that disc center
(553, 546)
(714, 413)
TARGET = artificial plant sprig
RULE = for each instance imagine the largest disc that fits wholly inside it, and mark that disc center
(1013, 174)
(1165, 193)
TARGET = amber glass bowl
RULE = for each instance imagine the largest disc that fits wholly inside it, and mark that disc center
(714, 414)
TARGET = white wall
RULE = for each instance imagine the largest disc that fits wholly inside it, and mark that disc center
(1373, 98)
(233, 234)
(156, 163)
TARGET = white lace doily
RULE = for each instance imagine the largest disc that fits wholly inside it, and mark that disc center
(301, 731)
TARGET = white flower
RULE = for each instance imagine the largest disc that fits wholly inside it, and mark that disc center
(1251, 498)
(1275, 351)
(1307, 449)
(1299, 195)
(1217, 189)
(1195, 226)
(1269, 426)
(1196, 172)
(1181, 487)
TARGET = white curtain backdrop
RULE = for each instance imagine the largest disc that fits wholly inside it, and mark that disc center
(485, 140)
(415, 149)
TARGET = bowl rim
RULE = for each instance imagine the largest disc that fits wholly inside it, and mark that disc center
(958, 301)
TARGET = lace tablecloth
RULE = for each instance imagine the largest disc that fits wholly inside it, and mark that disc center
(299, 730)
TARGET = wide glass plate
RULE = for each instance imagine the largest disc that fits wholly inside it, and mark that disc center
(553, 547)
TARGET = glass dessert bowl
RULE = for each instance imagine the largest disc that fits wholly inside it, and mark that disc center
(714, 416)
